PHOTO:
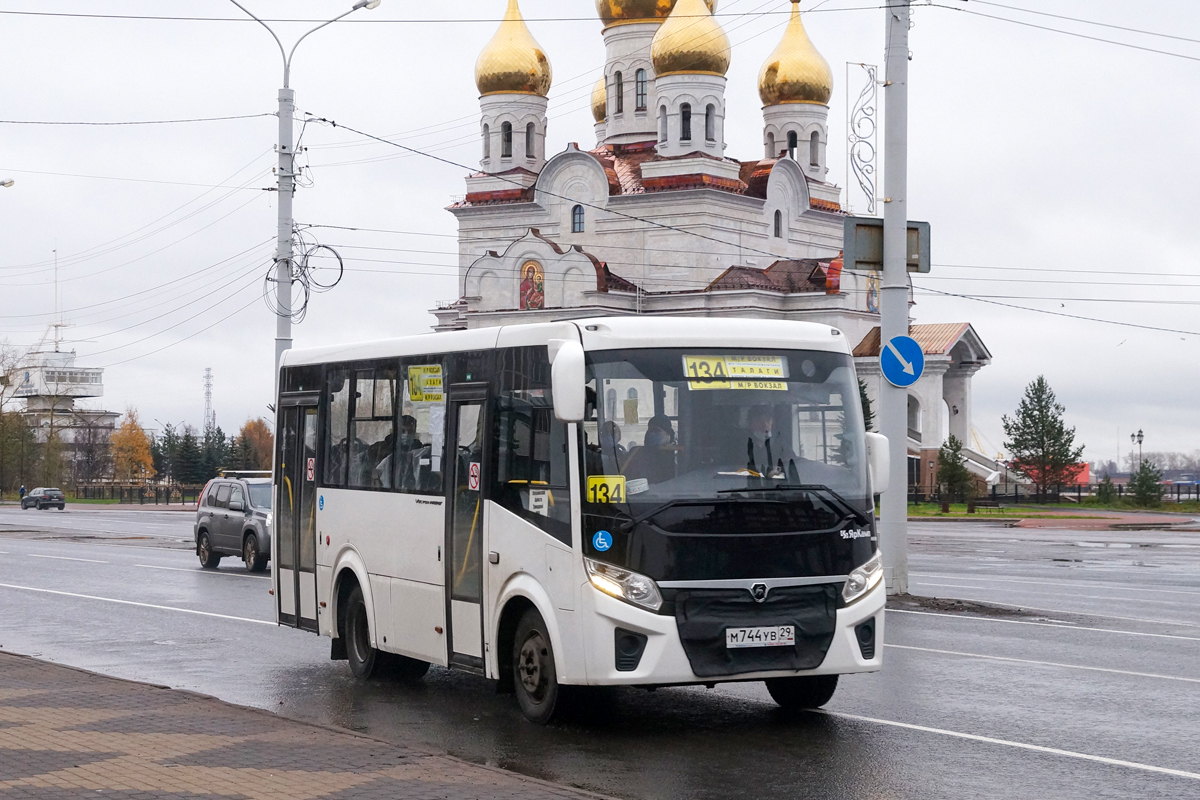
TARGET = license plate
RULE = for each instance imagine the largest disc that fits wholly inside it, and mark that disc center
(767, 636)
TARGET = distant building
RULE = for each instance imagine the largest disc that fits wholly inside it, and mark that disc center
(655, 218)
(50, 384)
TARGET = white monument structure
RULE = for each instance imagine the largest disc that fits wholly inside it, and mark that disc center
(656, 218)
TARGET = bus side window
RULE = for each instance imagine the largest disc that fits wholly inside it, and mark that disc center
(372, 435)
(421, 434)
(531, 466)
(337, 418)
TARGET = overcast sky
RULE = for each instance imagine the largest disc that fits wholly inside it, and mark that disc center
(1058, 173)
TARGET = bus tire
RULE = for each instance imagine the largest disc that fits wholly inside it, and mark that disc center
(408, 670)
(535, 679)
(802, 693)
(254, 560)
(208, 559)
(364, 659)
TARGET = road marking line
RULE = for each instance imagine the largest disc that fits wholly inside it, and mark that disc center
(1044, 624)
(1036, 748)
(1043, 663)
(64, 558)
(1052, 594)
(132, 603)
(205, 572)
(1064, 611)
(1071, 584)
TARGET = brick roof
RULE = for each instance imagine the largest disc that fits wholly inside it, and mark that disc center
(935, 340)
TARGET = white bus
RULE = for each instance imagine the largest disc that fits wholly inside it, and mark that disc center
(617, 501)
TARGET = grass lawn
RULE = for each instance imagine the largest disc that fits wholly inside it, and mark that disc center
(92, 502)
(960, 510)
(1184, 507)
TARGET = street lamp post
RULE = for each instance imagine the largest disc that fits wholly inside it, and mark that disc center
(1136, 438)
(287, 184)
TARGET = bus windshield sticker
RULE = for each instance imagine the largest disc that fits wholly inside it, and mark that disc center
(736, 372)
(425, 384)
(637, 486)
(606, 489)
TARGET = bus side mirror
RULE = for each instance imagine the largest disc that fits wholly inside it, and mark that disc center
(567, 378)
(879, 462)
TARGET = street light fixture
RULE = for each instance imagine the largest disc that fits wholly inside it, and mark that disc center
(287, 183)
(1136, 438)
(7, 183)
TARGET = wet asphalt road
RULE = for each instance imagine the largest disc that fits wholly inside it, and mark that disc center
(1091, 692)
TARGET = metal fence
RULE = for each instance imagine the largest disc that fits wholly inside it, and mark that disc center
(142, 495)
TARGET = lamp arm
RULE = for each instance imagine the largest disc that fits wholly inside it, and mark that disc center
(282, 52)
(288, 59)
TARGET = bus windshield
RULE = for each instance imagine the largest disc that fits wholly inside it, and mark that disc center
(724, 424)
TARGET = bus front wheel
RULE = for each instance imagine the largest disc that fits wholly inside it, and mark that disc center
(362, 656)
(802, 693)
(536, 680)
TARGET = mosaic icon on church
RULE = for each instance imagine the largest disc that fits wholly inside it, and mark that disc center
(533, 286)
(873, 294)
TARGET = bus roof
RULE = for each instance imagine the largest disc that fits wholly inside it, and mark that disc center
(596, 333)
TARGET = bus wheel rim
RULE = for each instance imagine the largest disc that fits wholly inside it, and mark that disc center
(533, 652)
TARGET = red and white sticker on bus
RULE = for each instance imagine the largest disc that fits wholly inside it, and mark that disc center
(311, 472)
(473, 477)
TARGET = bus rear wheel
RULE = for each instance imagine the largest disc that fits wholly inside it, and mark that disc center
(802, 693)
(536, 680)
(364, 659)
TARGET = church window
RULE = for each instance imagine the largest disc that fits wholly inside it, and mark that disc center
(577, 219)
(662, 123)
(814, 149)
(530, 141)
(620, 81)
(778, 224)
(487, 141)
(506, 140)
(641, 86)
(685, 122)
(771, 146)
(710, 123)
(793, 143)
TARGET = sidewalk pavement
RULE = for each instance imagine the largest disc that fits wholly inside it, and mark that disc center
(66, 733)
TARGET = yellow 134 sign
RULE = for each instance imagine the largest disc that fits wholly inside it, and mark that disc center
(735, 372)
(606, 489)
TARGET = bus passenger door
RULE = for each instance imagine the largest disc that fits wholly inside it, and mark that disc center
(466, 435)
(295, 536)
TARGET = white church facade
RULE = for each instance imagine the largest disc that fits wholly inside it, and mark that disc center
(656, 217)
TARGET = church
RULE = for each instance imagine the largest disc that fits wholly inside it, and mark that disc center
(656, 217)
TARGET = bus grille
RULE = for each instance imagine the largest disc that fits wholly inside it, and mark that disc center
(702, 615)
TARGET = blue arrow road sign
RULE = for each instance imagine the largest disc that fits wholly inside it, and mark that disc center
(902, 361)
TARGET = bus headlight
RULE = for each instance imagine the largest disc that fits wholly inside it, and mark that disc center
(863, 579)
(623, 584)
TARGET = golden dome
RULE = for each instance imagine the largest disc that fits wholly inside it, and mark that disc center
(617, 12)
(600, 100)
(690, 41)
(513, 62)
(795, 72)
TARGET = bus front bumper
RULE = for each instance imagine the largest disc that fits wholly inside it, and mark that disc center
(664, 661)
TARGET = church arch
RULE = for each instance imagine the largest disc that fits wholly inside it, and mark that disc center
(793, 142)
(531, 140)
(641, 90)
(662, 123)
(619, 86)
(814, 149)
(771, 145)
(778, 224)
(710, 123)
(487, 141)
(578, 219)
(685, 122)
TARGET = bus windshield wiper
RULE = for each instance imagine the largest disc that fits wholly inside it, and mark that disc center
(848, 509)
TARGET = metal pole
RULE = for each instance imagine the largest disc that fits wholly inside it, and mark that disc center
(283, 248)
(893, 293)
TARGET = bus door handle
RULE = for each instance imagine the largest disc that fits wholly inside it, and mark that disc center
(493, 557)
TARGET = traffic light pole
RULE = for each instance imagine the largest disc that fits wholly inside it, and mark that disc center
(893, 295)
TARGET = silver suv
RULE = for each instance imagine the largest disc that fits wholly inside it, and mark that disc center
(233, 518)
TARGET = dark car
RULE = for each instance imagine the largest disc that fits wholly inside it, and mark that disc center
(42, 498)
(233, 518)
